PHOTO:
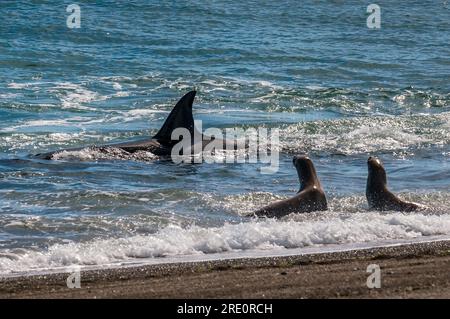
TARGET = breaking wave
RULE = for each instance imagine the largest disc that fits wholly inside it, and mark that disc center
(248, 236)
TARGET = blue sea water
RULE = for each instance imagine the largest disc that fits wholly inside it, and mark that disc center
(334, 88)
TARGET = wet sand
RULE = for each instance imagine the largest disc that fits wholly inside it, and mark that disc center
(419, 270)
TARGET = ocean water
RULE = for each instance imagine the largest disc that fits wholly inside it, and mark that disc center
(334, 88)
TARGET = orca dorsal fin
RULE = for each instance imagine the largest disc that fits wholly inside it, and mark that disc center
(181, 116)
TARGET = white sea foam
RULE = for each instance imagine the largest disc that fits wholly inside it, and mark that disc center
(117, 86)
(122, 94)
(74, 95)
(368, 134)
(42, 142)
(262, 235)
(14, 85)
(9, 95)
(136, 114)
(257, 83)
(46, 123)
(108, 153)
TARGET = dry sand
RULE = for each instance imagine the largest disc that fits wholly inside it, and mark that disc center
(408, 271)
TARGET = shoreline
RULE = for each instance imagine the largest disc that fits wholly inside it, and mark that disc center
(407, 271)
(250, 254)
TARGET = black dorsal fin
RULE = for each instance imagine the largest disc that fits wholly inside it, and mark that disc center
(181, 116)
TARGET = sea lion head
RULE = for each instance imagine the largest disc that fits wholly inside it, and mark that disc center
(377, 173)
(374, 162)
(301, 160)
(306, 171)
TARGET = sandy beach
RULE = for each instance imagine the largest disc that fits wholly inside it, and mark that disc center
(407, 271)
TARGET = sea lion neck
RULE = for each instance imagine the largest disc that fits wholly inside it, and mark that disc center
(306, 174)
(377, 176)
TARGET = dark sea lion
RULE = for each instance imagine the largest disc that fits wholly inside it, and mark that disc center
(309, 198)
(162, 143)
(377, 193)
